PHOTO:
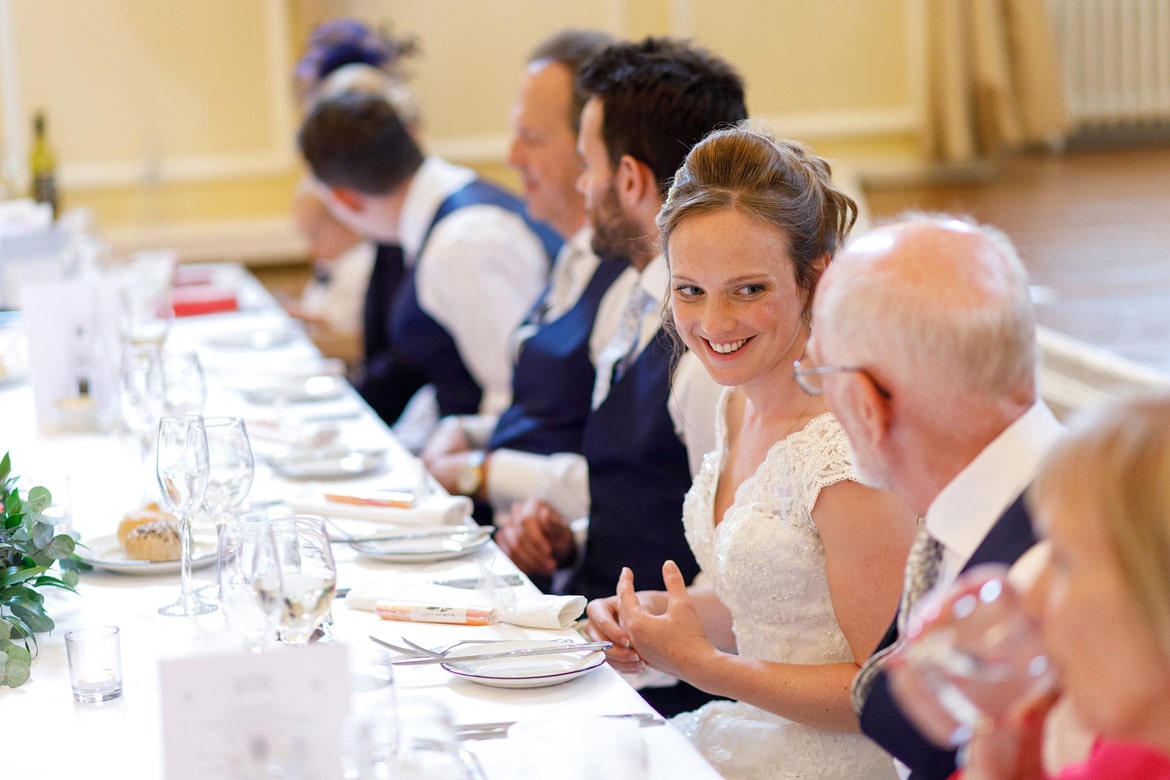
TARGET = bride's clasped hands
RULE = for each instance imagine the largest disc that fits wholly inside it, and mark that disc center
(661, 629)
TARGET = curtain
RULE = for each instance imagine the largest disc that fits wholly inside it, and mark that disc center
(993, 78)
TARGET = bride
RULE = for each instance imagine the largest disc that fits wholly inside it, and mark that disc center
(801, 564)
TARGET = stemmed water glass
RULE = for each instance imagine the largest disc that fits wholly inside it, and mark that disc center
(247, 558)
(230, 469)
(142, 399)
(185, 390)
(182, 467)
(308, 576)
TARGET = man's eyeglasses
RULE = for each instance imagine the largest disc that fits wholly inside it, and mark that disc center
(811, 378)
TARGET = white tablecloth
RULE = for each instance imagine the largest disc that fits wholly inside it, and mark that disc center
(46, 735)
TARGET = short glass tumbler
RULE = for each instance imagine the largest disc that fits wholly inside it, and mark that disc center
(95, 663)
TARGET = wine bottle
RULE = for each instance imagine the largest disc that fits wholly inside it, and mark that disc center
(44, 165)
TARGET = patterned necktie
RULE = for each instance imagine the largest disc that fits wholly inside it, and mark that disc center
(922, 567)
(630, 332)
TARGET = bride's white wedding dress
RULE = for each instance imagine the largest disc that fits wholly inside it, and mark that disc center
(767, 565)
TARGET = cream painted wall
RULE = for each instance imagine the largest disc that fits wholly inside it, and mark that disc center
(171, 113)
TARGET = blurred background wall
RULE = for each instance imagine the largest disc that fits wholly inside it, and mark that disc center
(174, 122)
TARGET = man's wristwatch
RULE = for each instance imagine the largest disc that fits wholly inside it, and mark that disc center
(470, 477)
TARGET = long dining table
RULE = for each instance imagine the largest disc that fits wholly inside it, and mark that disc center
(97, 477)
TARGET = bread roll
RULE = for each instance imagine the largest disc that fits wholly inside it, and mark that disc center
(157, 540)
(145, 514)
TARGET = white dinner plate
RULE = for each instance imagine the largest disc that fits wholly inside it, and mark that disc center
(300, 390)
(328, 464)
(535, 671)
(261, 338)
(460, 541)
(104, 552)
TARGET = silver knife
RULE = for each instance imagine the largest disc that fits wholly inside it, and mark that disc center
(454, 530)
(471, 583)
(567, 647)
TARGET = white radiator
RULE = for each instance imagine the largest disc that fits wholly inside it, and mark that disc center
(1116, 58)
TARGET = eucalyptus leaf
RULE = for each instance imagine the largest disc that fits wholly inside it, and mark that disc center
(28, 549)
(18, 668)
(17, 653)
(42, 534)
(39, 499)
(61, 546)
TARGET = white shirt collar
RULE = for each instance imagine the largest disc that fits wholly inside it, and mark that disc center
(965, 510)
(432, 183)
(655, 278)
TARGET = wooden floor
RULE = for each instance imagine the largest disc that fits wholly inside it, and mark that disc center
(1093, 228)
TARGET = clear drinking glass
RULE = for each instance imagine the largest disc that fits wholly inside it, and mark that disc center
(371, 725)
(308, 576)
(247, 557)
(146, 312)
(142, 399)
(976, 648)
(185, 391)
(181, 465)
(230, 469)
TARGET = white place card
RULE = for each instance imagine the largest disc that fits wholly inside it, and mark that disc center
(74, 351)
(255, 715)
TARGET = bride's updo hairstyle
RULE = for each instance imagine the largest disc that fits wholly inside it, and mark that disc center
(782, 183)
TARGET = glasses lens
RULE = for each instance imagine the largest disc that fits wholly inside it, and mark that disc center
(806, 377)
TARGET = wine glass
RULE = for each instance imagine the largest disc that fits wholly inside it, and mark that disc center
(308, 576)
(142, 399)
(184, 388)
(247, 557)
(181, 464)
(976, 650)
(230, 469)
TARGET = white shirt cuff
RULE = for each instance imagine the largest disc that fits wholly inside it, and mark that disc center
(560, 480)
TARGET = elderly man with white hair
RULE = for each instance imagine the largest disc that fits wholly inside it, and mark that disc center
(925, 350)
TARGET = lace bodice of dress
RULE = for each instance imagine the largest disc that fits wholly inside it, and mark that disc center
(765, 559)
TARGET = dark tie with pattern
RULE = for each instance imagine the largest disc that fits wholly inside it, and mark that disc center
(922, 567)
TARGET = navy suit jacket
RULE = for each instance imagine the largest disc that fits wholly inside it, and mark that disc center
(882, 719)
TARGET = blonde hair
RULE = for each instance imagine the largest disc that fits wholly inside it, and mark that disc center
(1115, 464)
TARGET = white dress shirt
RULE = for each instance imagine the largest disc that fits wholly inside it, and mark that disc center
(963, 513)
(479, 273)
(341, 300)
(562, 479)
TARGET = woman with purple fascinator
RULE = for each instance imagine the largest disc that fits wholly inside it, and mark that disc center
(339, 42)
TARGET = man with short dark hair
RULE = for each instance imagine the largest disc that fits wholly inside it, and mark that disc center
(653, 412)
(471, 263)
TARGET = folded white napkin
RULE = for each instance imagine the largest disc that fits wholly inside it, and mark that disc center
(532, 611)
(431, 510)
(545, 611)
(297, 437)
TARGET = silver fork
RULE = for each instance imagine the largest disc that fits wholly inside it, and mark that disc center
(477, 731)
(423, 652)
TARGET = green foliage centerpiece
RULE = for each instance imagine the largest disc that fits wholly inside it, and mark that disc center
(29, 546)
